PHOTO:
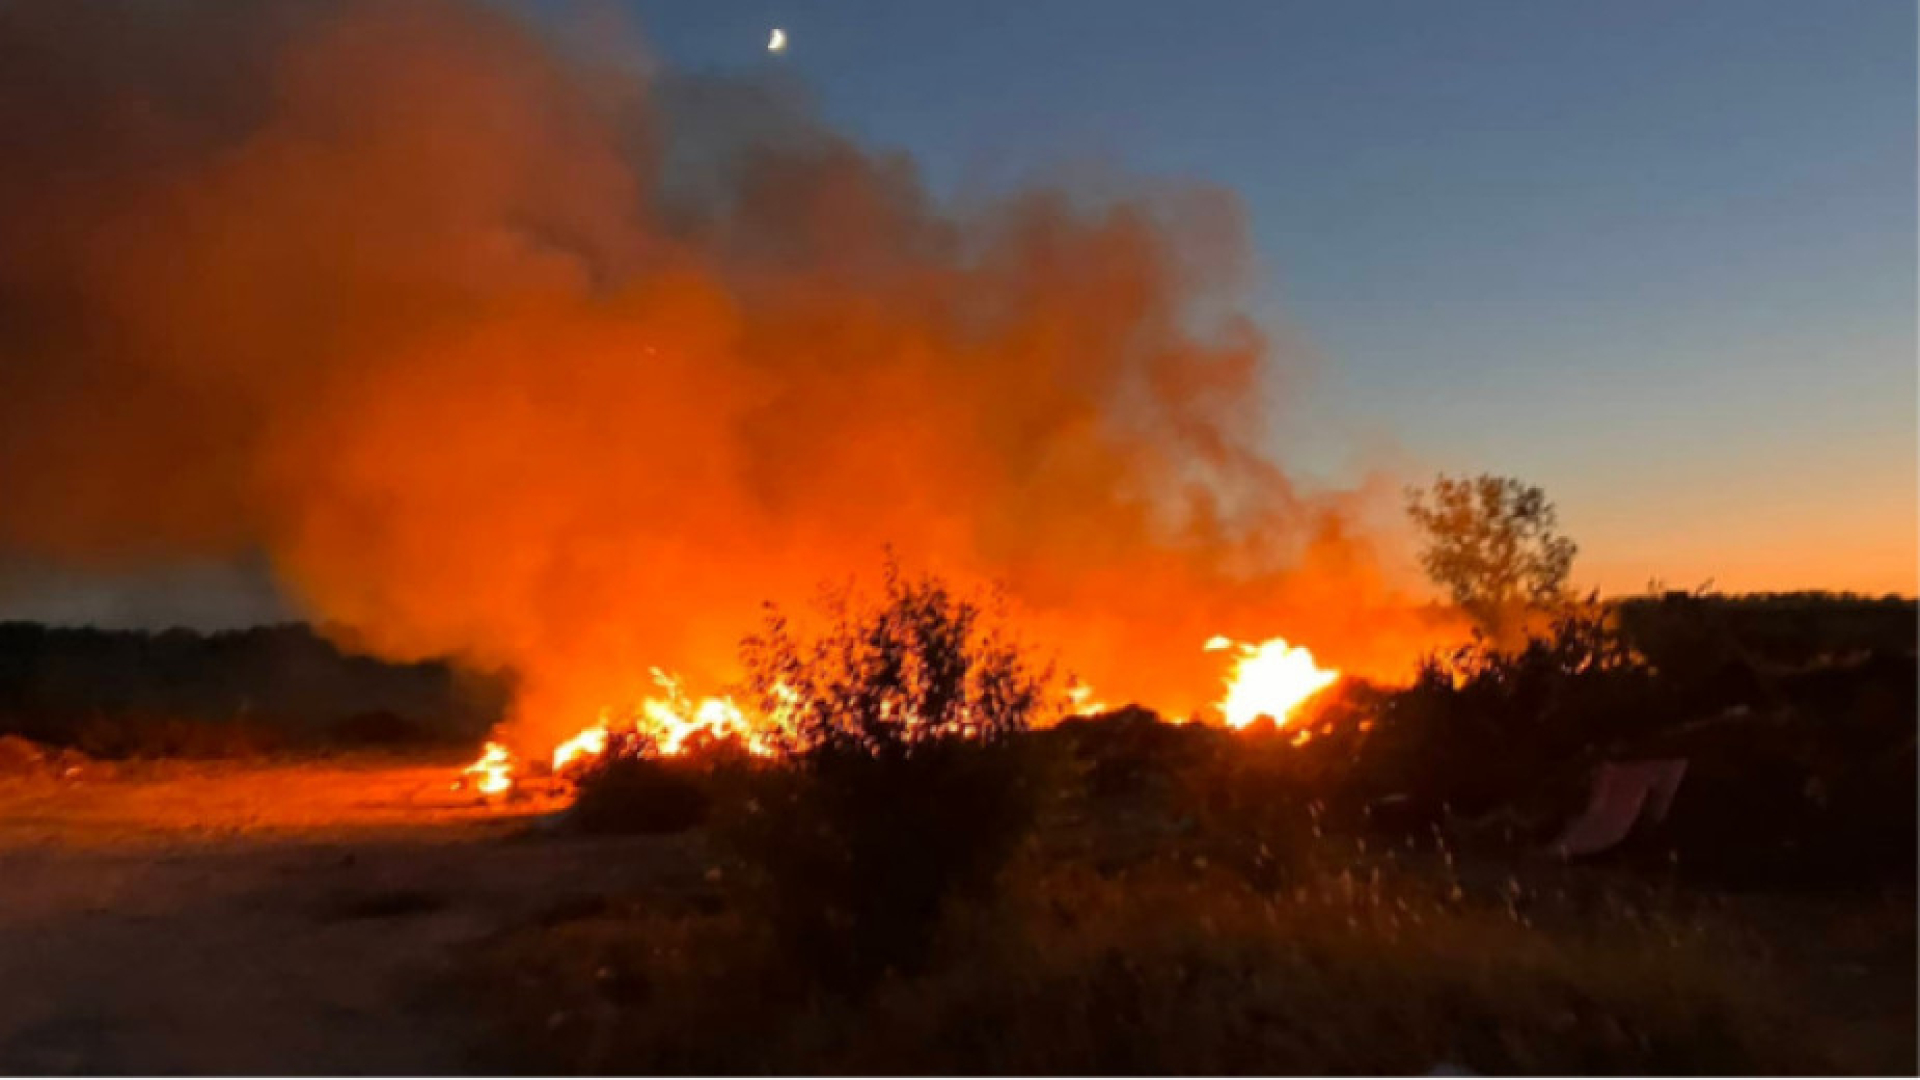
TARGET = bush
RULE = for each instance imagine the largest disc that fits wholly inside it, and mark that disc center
(1483, 728)
(627, 789)
(1131, 754)
(1816, 793)
(909, 789)
(1797, 777)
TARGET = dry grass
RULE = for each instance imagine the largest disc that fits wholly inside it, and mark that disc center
(1167, 967)
(280, 917)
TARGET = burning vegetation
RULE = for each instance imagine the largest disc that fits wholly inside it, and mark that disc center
(1271, 681)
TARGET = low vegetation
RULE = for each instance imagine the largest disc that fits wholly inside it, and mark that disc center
(1166, 965)
(922, 884)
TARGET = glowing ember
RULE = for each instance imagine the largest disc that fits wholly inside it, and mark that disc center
(493, 773)
(1272, 679)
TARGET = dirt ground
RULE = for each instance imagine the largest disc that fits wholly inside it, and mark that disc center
(180, 918)
(282, 919)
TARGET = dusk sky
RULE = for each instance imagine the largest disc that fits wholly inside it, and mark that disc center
(1657, 258)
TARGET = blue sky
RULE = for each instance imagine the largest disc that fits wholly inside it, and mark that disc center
(1656, 257)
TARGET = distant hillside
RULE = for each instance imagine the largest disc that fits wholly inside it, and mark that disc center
(78, 685)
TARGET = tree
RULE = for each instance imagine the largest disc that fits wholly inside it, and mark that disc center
(1494, 544)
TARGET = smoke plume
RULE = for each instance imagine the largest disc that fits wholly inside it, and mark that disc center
(497, 345)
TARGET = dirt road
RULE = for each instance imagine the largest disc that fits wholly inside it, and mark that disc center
(287, 919)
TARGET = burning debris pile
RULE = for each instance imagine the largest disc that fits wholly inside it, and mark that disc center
(666, 725)
(1272, 680)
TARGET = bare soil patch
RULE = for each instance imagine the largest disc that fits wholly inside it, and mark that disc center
(269, 919)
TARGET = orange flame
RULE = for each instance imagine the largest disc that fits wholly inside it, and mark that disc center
(1272, 679)
(590, 743)
(670, 722)
(676, 719)
(493, 773)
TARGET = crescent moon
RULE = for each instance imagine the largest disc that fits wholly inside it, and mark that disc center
(777, 41)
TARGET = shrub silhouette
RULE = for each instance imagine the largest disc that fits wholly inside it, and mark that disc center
(627, 789)
(1484, 726)
(908, 788)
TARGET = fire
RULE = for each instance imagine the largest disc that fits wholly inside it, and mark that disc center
(670, 723)
(674, 720)
(1272, 679)
(493, 773)
(1080, 701)
(590, 743)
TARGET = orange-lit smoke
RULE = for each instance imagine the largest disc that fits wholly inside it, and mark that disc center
(500, 347)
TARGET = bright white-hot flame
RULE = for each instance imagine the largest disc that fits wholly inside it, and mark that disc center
(1272, 679)
(590, 743)
(674, 720)
(493, 773)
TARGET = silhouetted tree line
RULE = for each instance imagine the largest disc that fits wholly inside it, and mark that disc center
(131, 692)
(1790, 629)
